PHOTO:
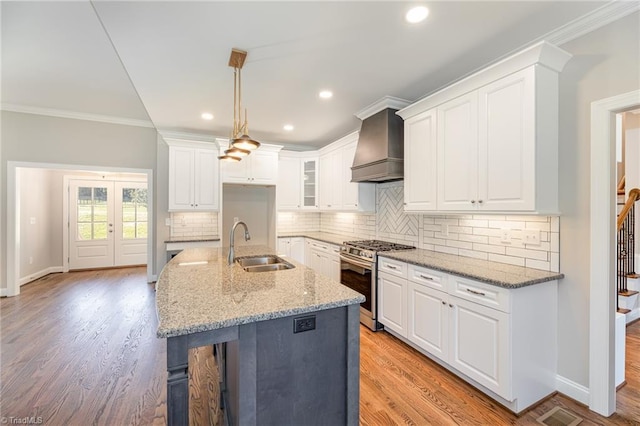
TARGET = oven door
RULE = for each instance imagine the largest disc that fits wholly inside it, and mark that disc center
(358, 275)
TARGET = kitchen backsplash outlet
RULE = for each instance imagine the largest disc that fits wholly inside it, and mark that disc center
(194, 224)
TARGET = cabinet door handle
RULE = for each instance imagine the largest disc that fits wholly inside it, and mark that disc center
(450, 305)
(479, 201)
(479, 293)
(426, 278)
(444, 303)
(473, 201)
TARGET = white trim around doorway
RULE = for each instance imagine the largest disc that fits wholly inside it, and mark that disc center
(602, 306)
(13, 215)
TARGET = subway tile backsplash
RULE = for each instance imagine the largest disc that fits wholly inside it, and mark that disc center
(498, 238)
(194, 224)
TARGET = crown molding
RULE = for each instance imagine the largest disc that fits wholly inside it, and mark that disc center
(197, 137)
(25, 109)
(598, 18)
(381, 104)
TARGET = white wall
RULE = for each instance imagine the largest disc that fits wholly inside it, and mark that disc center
(41, 219)
(53, 140)
(606, 62)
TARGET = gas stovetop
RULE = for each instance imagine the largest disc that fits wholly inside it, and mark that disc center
(377, 245)
(367, 249)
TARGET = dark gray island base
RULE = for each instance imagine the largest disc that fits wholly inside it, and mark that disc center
(273, 376)
(287, 343)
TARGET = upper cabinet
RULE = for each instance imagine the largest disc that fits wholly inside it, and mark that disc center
(258, 168)
(297, 187)
(193, 175)
(336, 191)
(488, 143)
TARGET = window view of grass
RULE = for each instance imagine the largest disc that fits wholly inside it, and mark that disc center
(134, 213)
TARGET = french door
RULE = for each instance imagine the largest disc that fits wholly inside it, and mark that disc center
(108, 223)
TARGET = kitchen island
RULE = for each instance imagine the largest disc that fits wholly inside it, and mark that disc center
(291, 338)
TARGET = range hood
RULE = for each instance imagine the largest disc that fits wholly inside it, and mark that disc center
(380, 151)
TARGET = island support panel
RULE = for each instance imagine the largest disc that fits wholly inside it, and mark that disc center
(275, 376)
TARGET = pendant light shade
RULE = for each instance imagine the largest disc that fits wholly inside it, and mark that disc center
(245, 142)
(237, 152)
(229, 158)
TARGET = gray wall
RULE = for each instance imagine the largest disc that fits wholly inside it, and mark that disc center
(42, 139)
(41, 241)
(606, 62)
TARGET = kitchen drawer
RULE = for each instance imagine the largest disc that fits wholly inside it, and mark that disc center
(393, 267)
(325, 247)
(484, 294)
(428, 277)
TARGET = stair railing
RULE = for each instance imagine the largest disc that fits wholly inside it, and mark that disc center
(626, 242)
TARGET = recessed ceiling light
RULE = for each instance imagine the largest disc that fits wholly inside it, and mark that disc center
(207, 116)
(288, 127)
(417, 14)
(325, 94)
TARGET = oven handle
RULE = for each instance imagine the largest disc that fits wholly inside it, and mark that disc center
(364, 265)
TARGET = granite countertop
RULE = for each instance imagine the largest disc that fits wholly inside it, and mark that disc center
(192, 239)
(325, 237)
(499, 274)
(194, 296)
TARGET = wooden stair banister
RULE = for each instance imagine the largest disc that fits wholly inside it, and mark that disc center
(625, 246)
(634, 195)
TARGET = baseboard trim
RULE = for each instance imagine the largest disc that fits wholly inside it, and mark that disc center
(40, 274)
(572, 389)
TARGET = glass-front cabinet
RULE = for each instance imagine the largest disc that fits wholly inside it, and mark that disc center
(310, 183)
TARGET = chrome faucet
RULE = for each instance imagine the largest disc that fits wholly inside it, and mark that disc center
(232, 235)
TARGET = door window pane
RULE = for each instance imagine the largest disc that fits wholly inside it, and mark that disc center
(134, 213)
(91, 212)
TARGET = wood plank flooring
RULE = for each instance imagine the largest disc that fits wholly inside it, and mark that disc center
(80, 348)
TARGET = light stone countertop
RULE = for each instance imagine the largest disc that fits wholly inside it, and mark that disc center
(192, 239)
(499, 274)
(193, 296)
(325, 237)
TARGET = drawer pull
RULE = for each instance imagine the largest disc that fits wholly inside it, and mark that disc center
(444, 303)
(479, 293)
(391, 267)
(426, 278)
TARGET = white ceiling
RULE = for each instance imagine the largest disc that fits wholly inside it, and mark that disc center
(169, 59)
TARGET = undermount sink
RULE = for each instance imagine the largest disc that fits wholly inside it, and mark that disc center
(264, 264)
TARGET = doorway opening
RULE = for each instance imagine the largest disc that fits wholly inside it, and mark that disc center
(38, 218)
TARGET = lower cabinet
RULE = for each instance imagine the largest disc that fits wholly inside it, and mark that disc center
(501, 340)
(292, 247)
(323, 258)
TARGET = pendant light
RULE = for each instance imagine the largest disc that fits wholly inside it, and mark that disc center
(241, 143)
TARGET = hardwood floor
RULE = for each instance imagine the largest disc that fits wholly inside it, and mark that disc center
(80, 348)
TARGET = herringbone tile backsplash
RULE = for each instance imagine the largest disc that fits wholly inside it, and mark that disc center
(477, 236)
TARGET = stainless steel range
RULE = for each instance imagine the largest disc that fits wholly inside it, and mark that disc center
(358, 271)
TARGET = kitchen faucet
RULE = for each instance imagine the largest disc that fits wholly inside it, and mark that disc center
(232, 235)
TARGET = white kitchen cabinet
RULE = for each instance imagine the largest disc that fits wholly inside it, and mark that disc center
(420, 176)
(501, 340)
(331, 182)
(336, 191)
(258, 168)
(392, 303)
(297, 187)
(457, 147)
(293, 247)
(487, 147)
(496, 139)
(479, 345)
(193, 176)
(324, 258)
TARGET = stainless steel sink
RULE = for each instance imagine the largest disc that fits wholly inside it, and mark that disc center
(264, 264)
(268, 268)
(259, 260)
